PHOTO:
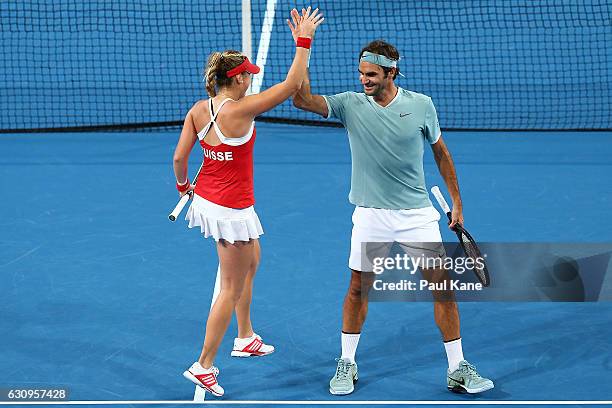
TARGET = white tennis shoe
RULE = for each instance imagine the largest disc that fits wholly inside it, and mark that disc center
(251, 346)
(205, 378)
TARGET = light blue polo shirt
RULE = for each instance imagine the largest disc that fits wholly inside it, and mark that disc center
(387, 145)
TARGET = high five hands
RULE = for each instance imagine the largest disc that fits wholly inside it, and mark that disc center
(306, 24)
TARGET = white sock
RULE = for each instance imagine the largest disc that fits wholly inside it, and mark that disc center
(454, 353)
(349, 345)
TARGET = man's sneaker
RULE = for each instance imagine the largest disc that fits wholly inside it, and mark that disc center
(344, 380)
(466, 379)
(205, 378)
(251, 346)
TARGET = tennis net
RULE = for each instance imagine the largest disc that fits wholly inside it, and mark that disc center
(542, 64)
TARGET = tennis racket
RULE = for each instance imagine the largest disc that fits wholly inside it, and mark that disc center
(465, 239)
(184, 199)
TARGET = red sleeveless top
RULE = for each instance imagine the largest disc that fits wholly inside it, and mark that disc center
(227, 174)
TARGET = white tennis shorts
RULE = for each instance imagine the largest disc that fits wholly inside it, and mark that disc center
(222, 222)
(415, 230)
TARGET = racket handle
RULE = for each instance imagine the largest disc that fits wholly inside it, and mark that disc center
(179, 206)
(435, 190)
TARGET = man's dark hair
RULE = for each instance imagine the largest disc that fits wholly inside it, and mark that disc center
(382, 47)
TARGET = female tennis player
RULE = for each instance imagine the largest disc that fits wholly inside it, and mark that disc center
(223, 202)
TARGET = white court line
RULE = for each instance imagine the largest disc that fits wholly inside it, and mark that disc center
(344, 402)
(199, 395)
(264, 45)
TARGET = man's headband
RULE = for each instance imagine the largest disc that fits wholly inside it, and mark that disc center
(378, 59)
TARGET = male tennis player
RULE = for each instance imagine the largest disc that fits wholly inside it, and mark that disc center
(387, 128)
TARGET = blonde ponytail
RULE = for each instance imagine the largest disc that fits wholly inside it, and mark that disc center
(210, 76)
(215, 75)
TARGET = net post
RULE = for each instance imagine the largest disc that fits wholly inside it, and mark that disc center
(247, 36)
(264, 44)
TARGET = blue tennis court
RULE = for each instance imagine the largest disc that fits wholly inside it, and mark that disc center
(102, 294)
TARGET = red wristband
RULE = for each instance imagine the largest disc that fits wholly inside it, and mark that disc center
(183, 187)
(304, 42)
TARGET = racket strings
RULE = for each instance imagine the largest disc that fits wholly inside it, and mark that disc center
(472, 251)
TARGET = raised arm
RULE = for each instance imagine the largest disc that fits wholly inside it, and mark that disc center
(447, 171)
(255, 105)
(305, 100)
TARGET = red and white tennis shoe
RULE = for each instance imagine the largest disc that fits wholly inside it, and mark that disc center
(205, 378)
(251, 346)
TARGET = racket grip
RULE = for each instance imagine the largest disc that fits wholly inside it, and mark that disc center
(179, 207)
(435, 190)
